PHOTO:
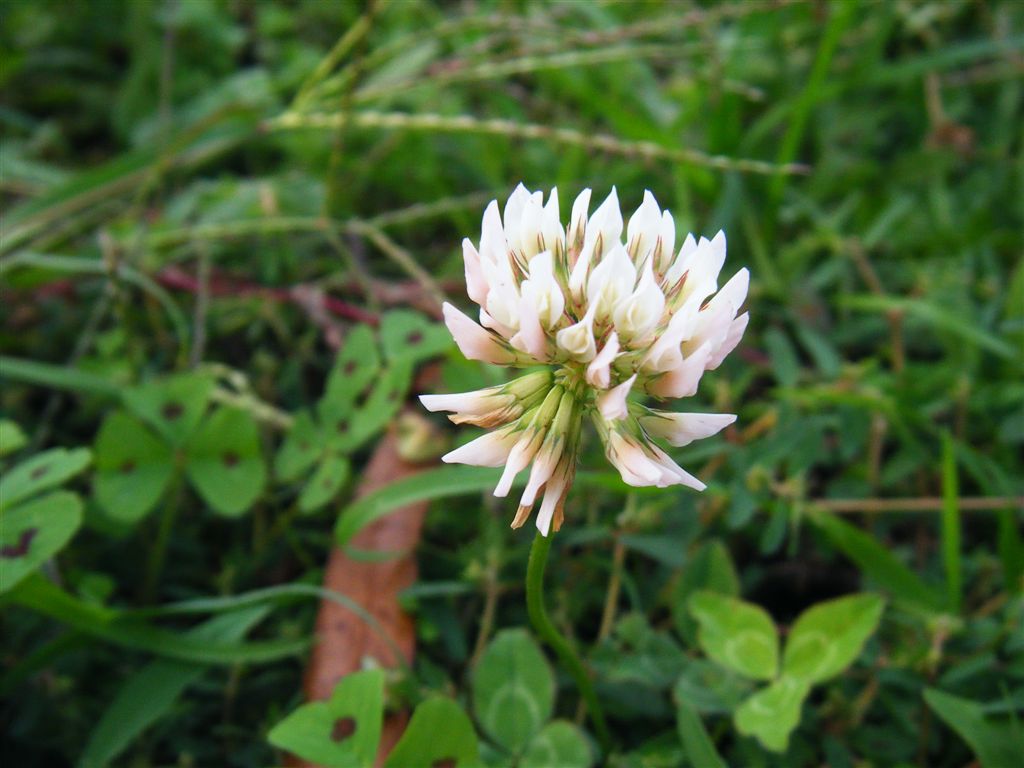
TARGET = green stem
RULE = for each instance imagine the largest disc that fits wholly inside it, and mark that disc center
(163, 537)
(549, 634)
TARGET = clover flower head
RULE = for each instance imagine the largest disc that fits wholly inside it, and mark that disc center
(607, 310)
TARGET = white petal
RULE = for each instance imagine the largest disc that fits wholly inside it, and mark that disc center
(602, 234)
(578, 220)
(531, 337)
(599, 371)
(578, 339)
(612, 404)
(493, 248)
(732, 339)
(644, 226)
(663, 250)
(611, 282)
(520, 455)
(552, 495)
(490, 450)
(681, 429)
(552, 231)
(474, 342)
(641, 312)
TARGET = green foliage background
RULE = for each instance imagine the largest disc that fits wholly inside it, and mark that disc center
(184, 182)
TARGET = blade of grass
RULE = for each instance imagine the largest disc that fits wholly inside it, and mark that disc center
(39, 595)
(951, 526)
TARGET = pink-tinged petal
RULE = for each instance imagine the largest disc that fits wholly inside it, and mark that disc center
(682, 381)
(490, 450)
(474, 342)
(672, 473)
(732, 339)
(681, 429)
(476, 283)
(599, 371)
(634, 465)
(612, 404)
(531, 337)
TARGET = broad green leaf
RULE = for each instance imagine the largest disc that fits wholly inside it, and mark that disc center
(996, 745)
(133, 467)
(33, 532)
(11, 437)
(302, 446)
(439, 735)
(42, 471)
(325, 483)
(149, 693)
(513, 689)
(354, 370)
(342, 732)
(877, 562)
(710, 688)
(224, 462)
(711, 568)
(738, 635)
(700, 749)
(432, 484)
(828, 637)
(410, 337)
(559, 743)
(39, 595)
(173, 406)
(351, 431)
(772, 713)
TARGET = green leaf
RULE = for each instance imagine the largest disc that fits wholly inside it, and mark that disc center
(42, 471)
(709, 688)
(133, 467)
(32, 533)
(700, 749)
(410, 337)
(877, 562)
(439, 735)
(996, 745)
(11, 437)
(432, 484)
(342, 732)
(173, 406)
(224, 462)
(738, 635)
(325, 483)
(513, 689)
(354, 369)
(828, 637)
(711, 569)
(149, 693)
(559, 743)
(351, 430)
(39, 595)
(772, 713)
(302, 447)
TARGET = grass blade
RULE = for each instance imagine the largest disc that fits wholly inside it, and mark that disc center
(951, 526)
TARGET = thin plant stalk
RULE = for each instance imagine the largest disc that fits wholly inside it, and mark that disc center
(543, 626)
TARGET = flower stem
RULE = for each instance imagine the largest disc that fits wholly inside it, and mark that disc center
(550, 635)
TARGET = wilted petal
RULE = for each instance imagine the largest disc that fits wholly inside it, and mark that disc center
(473, 341)
(681, 429)
(554, 498)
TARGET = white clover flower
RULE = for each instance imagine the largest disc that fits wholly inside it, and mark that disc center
(605, 318)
